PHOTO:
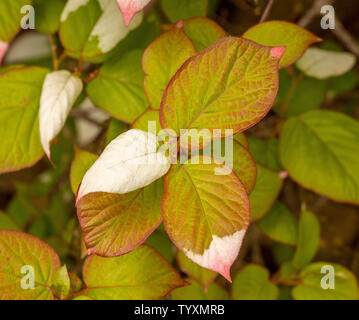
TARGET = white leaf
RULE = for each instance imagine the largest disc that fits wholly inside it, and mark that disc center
(59, 93)
(71, 6)
(129, 162)
(3, 48)
(323, 64)
(130, 7)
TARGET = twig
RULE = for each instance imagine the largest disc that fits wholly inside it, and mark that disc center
(345, 37)
(267, 11)
(313, 12)
(54, 52)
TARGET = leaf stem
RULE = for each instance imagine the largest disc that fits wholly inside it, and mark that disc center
(267, 10)
(55, 61)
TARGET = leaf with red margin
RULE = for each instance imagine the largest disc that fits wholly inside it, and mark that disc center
(230, 85)
(114, 224)
(282, 33)
(202, 31)
(142, 274)
(162, 59)
(210, 230)
(18, 249)
(130, 7)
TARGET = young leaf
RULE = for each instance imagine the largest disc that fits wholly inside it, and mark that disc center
(61, 283)
(59, 93)
(114, 224)
(48, 15)
(162, 59)
(203, 276)
(266, 191)
(280, 224)
(19, 107)
(211, 231)
(130, 7)
(142, 274)
(327, 144)
(194, 291)
(282, 33)
(92, 28)
(202, 31)
(82, 161)
(323, 64)
(128, 163)
(25, 261)
(252, 283)
(118, 87)
(230, 85)
(312, 279)
(176, 10)
(308, 239)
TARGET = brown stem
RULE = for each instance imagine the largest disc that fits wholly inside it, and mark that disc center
(345, 37)
(267, 10)
(313, 12)
(55, 61)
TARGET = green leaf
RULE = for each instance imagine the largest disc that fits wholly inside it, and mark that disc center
(202, 31)
(176, 10)
(266, 191)
(118, 87)
(115, 128)
(344, 83)
(217, 218)
(82, 161)
(282, 33)
(48, 15)
(114, 224)
(203, 276)
(10, 18)
(162, 59)
(345, 283)
(75, 282)
(280, 224)
(140, 275)
(252, 283)
(308, 239)
(299, 95)
(19, 108)
(160, 241)
(230, 85)
(195, 291)
(61, 283)
(319, 150)
(6, 222)
(25, 257)
(84, 28)
(265, 152)
(323, 64)
(149, 115)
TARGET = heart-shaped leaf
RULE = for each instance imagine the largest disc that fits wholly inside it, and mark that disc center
(323, 64)
(211, 230)
(130, 7)
(19, 107)
(26, 262)
(230, 85)
(59, 93)
(128, 163)
(282, 33)
(162, 59)
(105, 28)
(142, 274)
(114, 224)
(118, 87)
(327, 144)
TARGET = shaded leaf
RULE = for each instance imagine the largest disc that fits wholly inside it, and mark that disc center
(176, 10)
(61, 283)
(48, 15)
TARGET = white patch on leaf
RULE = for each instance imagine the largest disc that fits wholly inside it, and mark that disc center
(59, 93)
(110, 28)
(71, 6)
(323, 64)
(221, 253)
(130, 7)
(129, 162)
(3, 48)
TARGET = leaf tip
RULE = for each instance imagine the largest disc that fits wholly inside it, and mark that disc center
(277, 52)
(3, 48)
